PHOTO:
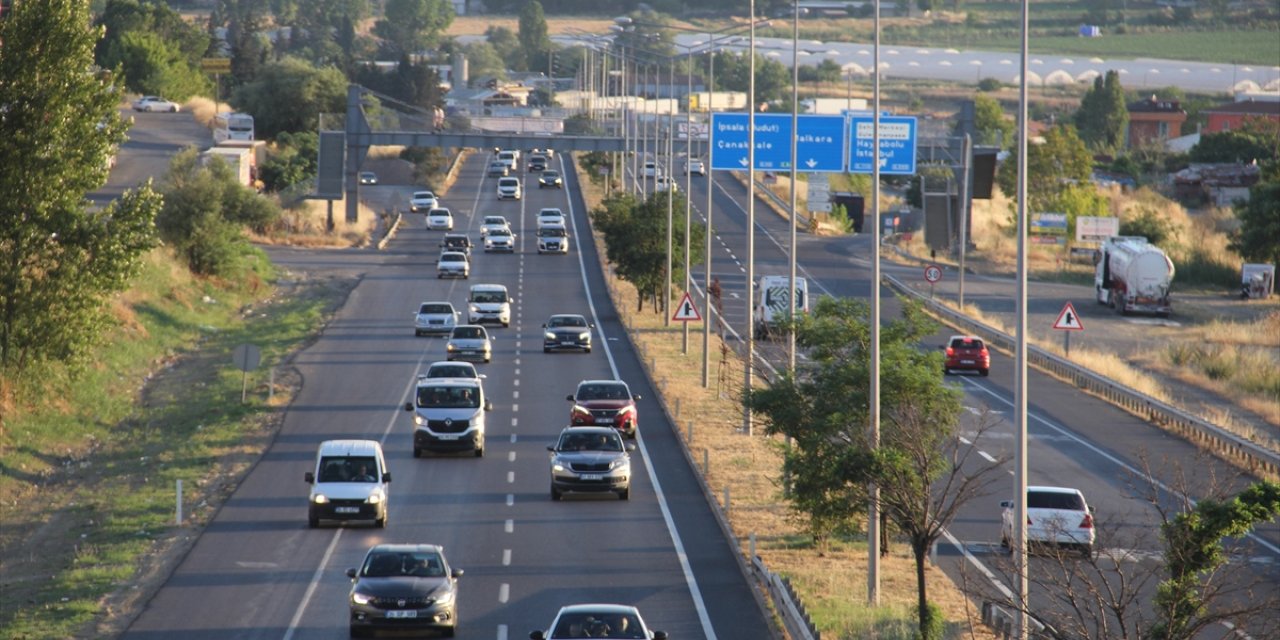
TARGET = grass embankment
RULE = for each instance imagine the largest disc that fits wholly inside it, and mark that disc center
(831, 580)
(90, 462)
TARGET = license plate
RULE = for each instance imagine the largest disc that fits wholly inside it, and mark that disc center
(447, 437)
(567, 343)
(592, 476)
(346, 509)
(409, 613)
(966, 362)
(608, 421)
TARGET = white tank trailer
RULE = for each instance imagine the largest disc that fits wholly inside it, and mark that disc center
(1133, 276)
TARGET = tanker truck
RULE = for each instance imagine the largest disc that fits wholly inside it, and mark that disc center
(1133, 275)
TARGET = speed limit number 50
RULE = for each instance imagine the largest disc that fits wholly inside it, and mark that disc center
(933, 273)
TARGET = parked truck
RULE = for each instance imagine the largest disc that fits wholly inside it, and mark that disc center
(241, 161)
(773, 305)
(833, 106)
(1133, 275)
(717, 101)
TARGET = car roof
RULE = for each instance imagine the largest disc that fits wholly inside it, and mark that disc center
(406, 547)
(349, 447)
(1042, 489)
(602, 382)
(604, 608)
(453, 253)
(450, 382)
(589, 429)
(423, 194)
(568, 315)
(445, 302)
(550, 209)
(440, 210)
(488, 287)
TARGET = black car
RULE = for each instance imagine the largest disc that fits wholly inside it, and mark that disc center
(566, 331)
(550, 179)
(456, 242)
(404, 586)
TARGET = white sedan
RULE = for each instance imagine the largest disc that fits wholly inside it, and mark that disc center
(492, 223)
(423, 201)
(154, 103)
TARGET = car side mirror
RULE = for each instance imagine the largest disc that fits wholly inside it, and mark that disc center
(482, 376)
(536, 635)
(351, 573)
(408, 406)
(1006, 504)
(631, 446)
(544, 325)
(636, 397)
(591, 324)
(551, 447)
(659, 635)
(1091, 510)
(488, 406)
(455, 573)
(569, 397)
(309, 477)
(386, 477)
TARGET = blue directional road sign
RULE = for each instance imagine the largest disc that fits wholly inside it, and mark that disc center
(820, 145)
(897, 145)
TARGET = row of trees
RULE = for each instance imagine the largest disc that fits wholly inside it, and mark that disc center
(635, 236)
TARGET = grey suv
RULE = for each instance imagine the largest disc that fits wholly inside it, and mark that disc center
(590, 459)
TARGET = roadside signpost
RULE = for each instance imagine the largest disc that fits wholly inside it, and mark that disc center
(897, 144)
(820, 143)
(686, 311)
(932, 273)
(819, 194)
(246, 357)
(1068, 321)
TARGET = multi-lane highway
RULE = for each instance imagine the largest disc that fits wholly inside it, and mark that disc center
(1075, 440)
(257, 571)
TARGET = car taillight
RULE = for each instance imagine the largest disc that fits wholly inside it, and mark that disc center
(985, 353)
(1087, 522)
(951, 352)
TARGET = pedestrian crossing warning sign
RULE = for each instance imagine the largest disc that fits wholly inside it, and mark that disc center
(1068, 319)
(686, 311)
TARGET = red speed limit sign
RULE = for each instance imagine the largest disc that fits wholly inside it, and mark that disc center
(933, 273)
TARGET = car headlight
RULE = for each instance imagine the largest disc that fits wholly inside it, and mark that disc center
(319, 498)
(450, 347)
(419, 420)
(443, 598)
(549, 336)
(474, 309)
(619, 463)
(585, 335)
(360, 598)
(581, 409)
(627, 409)
(375, 497)
(558, 465)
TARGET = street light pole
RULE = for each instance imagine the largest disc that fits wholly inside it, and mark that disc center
(671, 185)
(795, 161)
(706, 281)
(688, 193)
(873, 508)
(751, 225)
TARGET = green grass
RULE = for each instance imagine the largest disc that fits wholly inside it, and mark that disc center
(116, 459)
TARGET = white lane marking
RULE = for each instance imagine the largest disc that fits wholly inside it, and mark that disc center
(511, 499)
(506, 557)
(502, 632)
(707, 629)
(515, 408)
(511, 477)
(516, 382)
(986, 456)
(504, 593)
(510, 526)
(965, 440)
(511, 456)
(324, 560)
(257, 565)
(515, 395)
(513, 438)
(517, 371)
(315, 583)
(517, 362)
(517, 344)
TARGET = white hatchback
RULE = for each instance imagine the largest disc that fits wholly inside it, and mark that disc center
(1055, 516)
(440, 218)
(509, 188)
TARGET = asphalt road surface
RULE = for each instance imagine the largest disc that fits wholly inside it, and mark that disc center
(259, 572)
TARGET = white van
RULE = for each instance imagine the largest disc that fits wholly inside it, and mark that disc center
(509, 158)
(489, 303)
(773, 305)
(350, 481)
(448, 415)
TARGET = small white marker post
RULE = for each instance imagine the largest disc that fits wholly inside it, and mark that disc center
(178, 514)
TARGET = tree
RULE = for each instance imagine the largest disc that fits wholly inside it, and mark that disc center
(292, 161)
(1258, 139)
(924, 471)
(289, 95)
(60, 262)
(988, 118)
(244, 22)
(1258, 238)
(535, 44)
(1052, 167)
(1103, 116)
(504, 41)
(410, 25)
(635, 237)
(773, 79)
(483, 60)
(155, 49)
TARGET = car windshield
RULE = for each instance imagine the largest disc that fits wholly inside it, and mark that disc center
(423, 195)
(499, 232)
(567, 321)
(589, 442)
(449, 397)
(348, 469)
(468, 333)
(419, 564)
(550, 232)
(440, 212)
(551, 174)
(598, 625)
(456, 241)
(966, 343)
(435, 308)
(602, 392)
(508, 182)
(450, 371)
(495, 220)
(452, 257)
(489, 297)
(1054, 500)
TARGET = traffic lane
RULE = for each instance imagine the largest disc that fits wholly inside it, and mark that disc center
(152, 142)
(729, 597)
(251, 566)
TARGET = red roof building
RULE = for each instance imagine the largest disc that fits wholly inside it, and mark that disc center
(1232, 116)
(1152, 119)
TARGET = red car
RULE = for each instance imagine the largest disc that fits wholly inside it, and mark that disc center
(605, 403)
(967, 353)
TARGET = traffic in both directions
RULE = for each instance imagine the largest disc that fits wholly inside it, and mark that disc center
(1077, 440)
(259, 571)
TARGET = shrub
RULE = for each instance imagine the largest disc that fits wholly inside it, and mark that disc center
(1149, 224)
(990, 84)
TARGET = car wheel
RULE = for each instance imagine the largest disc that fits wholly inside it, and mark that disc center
(587, 350)
(983, 372)
(555, 494)
(1086, 551)
(546, 350)
(486, 360)
(448, 631)
(506, 324)
(174, 109)
(313, 522)
(480, 451)
(624, 494)
(381, 523)
(946, 371)
(359, 632)
(417, 452)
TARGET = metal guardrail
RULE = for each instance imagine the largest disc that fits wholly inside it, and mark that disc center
(1005, 624)
(787, 603)
(1255, 458)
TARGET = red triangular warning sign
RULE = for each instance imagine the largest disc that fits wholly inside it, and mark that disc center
(686, 311)
(1068, 319)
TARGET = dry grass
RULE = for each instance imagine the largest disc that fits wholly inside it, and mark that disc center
(304, 226)
(203, 109)
(834, 583)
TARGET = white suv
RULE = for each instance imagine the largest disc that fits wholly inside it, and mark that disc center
(448, 415)
(349, 481)
(1055, 516)
(551, 215)
(509, 188)
(553, 238)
